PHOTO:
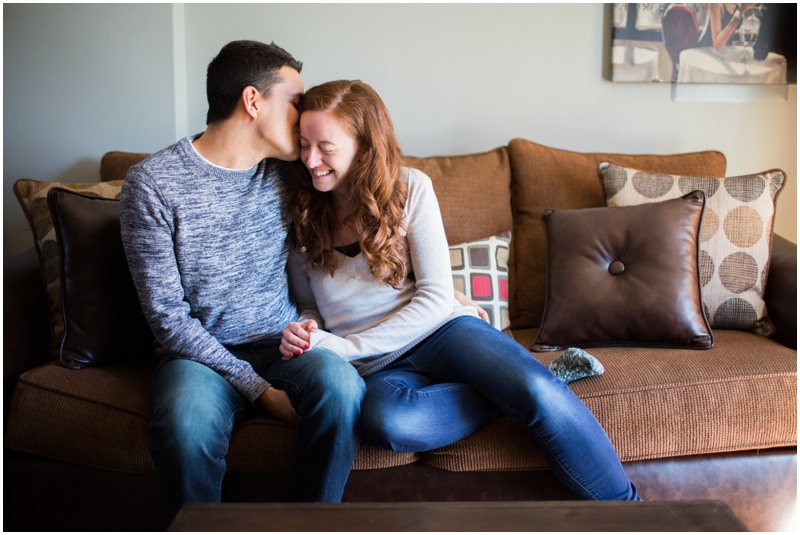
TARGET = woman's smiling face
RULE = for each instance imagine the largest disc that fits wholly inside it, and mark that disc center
(328, 149)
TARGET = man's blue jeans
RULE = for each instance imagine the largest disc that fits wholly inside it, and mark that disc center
(465, 375)
(195, 410)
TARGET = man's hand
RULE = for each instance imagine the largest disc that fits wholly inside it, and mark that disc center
(296, 338)
(277, 404)
(466, 301)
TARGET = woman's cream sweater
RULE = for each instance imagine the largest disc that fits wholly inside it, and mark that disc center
(369, 323)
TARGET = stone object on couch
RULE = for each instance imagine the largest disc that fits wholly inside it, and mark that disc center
(688, 424)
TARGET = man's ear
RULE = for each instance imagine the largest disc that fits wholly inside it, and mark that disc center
(251, 99)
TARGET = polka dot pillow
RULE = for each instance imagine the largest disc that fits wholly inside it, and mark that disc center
(735, 235)
(480, 271)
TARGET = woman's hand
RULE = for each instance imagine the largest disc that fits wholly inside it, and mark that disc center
(466, 301)
(296, 338)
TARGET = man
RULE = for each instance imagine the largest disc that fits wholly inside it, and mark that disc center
(205, 231)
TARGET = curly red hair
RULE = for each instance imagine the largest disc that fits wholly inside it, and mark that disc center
(374, 182)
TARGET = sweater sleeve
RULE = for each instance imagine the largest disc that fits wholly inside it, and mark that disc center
(147, 226)
(432, 302)
(300, 288)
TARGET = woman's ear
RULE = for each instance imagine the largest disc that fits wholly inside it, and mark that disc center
(364, 154)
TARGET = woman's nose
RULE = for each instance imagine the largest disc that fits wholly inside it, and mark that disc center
(312, 158)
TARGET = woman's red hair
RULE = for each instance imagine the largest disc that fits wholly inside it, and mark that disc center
(374, 183)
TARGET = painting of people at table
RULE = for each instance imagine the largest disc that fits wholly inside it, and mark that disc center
(705, 43)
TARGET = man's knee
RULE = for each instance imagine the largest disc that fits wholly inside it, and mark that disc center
(335, 372)
(335, 381)
(192, 406)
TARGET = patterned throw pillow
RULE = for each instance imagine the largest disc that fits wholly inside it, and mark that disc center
(32, 196)
(735, 235)
(480, 271)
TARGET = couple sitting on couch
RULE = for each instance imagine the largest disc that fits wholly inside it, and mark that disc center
(206, 226)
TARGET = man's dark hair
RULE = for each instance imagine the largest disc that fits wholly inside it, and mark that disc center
(240, 64)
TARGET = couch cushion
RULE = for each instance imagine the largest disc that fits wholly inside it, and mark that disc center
(735, 236)
(32, 197)
(473, 191)
(624, 275)
(654, 403)
(545, 177)
(99, 417)
(660, 403)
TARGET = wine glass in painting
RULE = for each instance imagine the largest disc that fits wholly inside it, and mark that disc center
(748, 32)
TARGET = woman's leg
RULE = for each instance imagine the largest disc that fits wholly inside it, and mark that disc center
(468, 350)
(406, 411)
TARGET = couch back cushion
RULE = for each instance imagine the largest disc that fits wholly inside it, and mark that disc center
(473, 189)
(115, 164)
(474, 192)
(545, 177)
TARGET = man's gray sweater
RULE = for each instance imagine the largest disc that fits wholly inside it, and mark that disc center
(207, 249)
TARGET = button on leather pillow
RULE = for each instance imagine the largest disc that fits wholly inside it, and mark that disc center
(624, 276)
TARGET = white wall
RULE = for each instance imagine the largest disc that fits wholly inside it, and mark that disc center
(78, 81)
(457, 78)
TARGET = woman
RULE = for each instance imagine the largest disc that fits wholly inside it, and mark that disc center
(724, 19)
(372, 266)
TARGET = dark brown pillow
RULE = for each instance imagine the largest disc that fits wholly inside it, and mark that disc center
(624, 276)
(32, 197)
(103, 320)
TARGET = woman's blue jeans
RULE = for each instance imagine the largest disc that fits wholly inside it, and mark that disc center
(195, 410)
(464, 376)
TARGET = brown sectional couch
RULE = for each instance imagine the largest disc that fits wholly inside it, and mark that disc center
(687, 424)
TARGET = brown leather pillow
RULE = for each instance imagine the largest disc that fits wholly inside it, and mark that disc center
(103, 320)
(624, 276)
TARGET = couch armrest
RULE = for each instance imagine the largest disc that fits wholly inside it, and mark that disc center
(26, 331)
(781, 294)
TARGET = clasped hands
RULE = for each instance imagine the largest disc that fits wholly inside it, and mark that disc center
(295, 338)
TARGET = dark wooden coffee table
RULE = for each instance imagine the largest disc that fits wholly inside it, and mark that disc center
(460, 516)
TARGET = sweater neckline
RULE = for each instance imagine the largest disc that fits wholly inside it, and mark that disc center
(351, 250)
(211, 167)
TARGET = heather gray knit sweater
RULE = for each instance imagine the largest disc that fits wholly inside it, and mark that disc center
(207, 250)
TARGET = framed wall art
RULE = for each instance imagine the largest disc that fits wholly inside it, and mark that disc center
(704, 43)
